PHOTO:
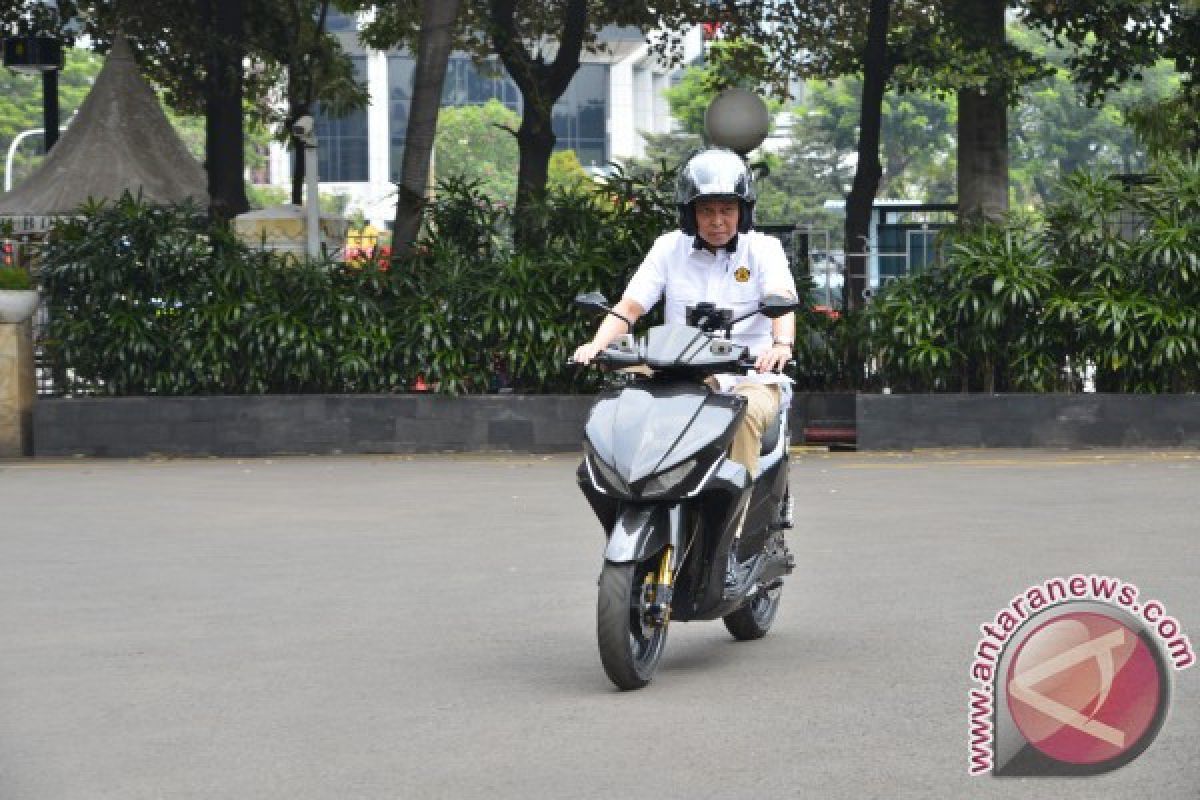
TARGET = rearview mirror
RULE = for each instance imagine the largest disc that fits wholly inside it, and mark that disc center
(776, 305)
(593, 301)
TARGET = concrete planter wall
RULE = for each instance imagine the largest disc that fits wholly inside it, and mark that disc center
(904, 422)
(296, 424)
(324, 424)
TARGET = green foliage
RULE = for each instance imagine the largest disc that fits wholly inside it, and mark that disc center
(567, 175)
(1104, 287)
(21, 106)
(729, 63)
(21, 110)
(1168, 125)
(267, 196)
(1107, 286)
(475, 144)
(1054, 131)
(14, 278)
(480, 313)
(917, 138)
(1114, 41)
(156, 301)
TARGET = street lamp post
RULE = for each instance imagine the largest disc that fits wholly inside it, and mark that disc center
(44, 54)
(14, 146)
(304, 130)
(12, 151)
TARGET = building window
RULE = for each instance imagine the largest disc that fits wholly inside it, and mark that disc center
(400, 84)
(342, 141)
(579, 116)
(340, 21)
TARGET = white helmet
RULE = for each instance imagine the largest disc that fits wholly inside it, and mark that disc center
(715, 172)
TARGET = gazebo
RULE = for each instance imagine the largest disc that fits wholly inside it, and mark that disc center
(119, 141)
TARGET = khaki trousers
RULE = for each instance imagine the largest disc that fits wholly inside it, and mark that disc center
(762, 406)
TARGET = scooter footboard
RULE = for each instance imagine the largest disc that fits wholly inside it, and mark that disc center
(639, 531)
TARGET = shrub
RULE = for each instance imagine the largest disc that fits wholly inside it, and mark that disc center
(148, 300)
(15, 278)
(1106, 286)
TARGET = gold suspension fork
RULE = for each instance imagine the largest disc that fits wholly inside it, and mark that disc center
(665, 577)
(659, 583)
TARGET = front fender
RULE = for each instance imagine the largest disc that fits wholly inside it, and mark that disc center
(638, 533)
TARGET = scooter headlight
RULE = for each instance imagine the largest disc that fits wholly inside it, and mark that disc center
(671, 479)
(604, 477)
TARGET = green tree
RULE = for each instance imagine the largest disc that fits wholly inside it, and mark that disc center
(1056, 131)
(957, 46)
(311, 66)
(21, 106)
(475, 144)
(21, 110)
(434, 41)
(518, 32)
(727, 63)
(1114, 41)
(567, 175)
(916, 137)
(200, 52)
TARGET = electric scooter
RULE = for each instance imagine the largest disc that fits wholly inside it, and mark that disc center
(690, 534)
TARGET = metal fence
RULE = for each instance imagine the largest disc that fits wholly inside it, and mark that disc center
(906, 241)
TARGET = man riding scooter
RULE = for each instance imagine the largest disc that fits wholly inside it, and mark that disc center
(691, 494)
(717, 257)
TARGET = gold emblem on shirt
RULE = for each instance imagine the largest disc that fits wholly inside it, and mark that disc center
(741, 275)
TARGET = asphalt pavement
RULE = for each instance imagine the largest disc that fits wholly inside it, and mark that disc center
(423, 627)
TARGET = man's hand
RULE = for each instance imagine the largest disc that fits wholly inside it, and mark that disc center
(586, 352)
(773, 359)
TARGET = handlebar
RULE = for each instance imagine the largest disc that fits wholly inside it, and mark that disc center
(749, 362)
(605, 359)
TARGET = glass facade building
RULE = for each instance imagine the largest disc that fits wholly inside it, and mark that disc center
(579, 115)
(614, 97)
(342, 141)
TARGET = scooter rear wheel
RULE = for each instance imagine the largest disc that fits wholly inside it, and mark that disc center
(630, 642)
(754, 618)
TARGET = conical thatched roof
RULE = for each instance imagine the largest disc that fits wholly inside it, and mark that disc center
(120, 140)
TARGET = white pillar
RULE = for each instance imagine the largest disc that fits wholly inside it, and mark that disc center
(622, 107)
(378, 134)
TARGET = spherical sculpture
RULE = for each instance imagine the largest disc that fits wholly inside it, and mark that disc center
(737, 119)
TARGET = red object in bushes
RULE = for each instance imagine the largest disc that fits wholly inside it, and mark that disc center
(832, 313)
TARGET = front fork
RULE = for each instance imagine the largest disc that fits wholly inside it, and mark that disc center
(659, 584)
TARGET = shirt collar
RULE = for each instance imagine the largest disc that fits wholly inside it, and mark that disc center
(698, 243)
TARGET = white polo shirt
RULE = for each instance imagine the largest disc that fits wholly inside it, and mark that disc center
(688, 275)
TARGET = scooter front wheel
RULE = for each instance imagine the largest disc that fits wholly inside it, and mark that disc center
(631, 640)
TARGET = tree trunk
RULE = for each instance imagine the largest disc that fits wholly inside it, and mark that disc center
(535, 145)
(541, 85)
(983, 126)
(868, 171)
(433, 56)
(225, 159)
